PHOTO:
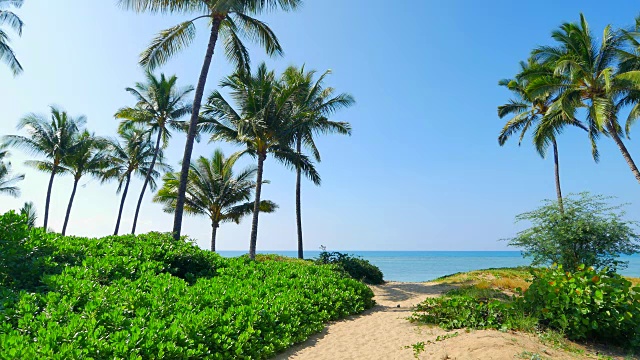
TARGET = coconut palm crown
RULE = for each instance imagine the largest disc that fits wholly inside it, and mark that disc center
(159, 108)
(52, 138)
(214, 190)
(595, 79)
(12, 20)
(7, 180)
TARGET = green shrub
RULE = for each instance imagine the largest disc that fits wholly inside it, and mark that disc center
(474, 308)
(588, 231)
(150, 296)
(357, 268)
(586, 304)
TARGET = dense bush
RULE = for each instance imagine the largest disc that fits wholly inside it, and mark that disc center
(474, 308)
(153, 297)
(588, 231)
(357, 268)
(586, 304)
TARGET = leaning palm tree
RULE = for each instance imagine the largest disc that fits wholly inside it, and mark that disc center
(595, 81)
(13, 21)
(263, 125)
(215, 191)
(50, 138)
(160, 105)
(8, 181)
(312, 104)
(86, 156)
(537, 113)
(231, 20)
(134, 156)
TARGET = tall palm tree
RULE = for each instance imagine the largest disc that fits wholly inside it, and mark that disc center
(263, 125)
(132, 157)
(595, 81)
(8, 181)
(538, 113)
(86, 156)
(160, 105)
(215, 191)
(13, 21)
(230, 19)
(312, 104)
(50, 138)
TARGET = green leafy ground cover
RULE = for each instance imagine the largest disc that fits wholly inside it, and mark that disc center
(149, 296)
(585, 305)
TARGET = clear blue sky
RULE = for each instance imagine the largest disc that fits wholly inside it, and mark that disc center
(423, 169)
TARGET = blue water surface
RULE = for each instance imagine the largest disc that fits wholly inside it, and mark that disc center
(427, 265)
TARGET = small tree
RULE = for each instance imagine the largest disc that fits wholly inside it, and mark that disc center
(590, 232)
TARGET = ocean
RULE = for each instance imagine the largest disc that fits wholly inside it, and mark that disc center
(415, 266)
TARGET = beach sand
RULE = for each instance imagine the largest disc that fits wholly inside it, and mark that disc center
(383, 332)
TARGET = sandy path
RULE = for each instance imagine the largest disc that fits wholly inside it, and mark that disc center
(383, 332)
(379, 333)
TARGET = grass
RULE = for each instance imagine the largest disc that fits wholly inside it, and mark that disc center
(503, 279)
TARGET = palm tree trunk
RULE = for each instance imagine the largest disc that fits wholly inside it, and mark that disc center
(624, 151)
(214, 229)
(557, 176)
(146, 182)
(73, 195)
(298, 207)
(124, 196)
(256, 208)
(46, 204)
(193, 122)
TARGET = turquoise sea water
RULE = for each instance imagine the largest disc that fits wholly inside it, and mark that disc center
(428, 265)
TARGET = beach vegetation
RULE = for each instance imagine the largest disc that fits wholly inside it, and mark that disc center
(52, 139)
(151, 296)
(537, 112)
(132, 155)
(229, 21)
(10, 19)
(215, 191)
(262, 125)
(584, 305)
(505, 279)
(160, 104)
(8, 181)
(588, 232)
(356, 267)
(313, 103)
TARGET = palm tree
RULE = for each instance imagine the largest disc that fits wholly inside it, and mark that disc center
(28, 210)
(230, 19)
(86, 156)
(52, 139)
(312, 105)
(215, 191)
(539, 113)
(595, 81)
(134, 156)
(160, 105)
(13, 21)
(7, 181)
(263, 126)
